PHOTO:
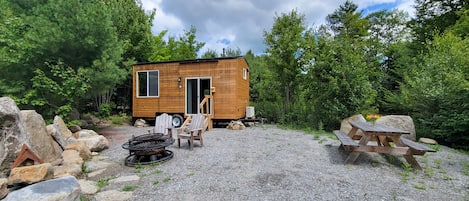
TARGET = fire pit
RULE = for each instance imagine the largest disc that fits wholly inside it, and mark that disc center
(148, 148)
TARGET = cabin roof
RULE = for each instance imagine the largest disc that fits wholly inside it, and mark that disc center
(191, 60)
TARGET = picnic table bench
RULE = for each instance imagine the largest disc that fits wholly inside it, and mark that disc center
(388, 140)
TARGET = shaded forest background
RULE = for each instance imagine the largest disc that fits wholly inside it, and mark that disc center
(74, 57)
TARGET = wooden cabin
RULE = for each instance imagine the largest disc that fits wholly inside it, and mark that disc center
(216, 87)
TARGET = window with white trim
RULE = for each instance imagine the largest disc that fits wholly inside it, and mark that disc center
(148, 83)
(245, 73)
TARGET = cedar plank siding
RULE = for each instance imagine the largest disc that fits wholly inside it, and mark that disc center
(230, 99)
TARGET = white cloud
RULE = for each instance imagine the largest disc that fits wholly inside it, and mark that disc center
(242, 22)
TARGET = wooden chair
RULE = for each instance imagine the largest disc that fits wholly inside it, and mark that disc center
(193, 131)
(164, 124)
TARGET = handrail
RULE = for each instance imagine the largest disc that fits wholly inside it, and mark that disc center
(205, 110)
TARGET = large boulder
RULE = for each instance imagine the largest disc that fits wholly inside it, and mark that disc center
(92, 140)
(31, 174)
(60, 132)
(60, 189)
(38, 140)
(402, 122)
(12, 134)
(346, 127)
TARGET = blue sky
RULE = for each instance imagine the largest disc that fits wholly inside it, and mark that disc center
(241, 23)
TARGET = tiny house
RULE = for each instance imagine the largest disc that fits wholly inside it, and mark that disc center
(217, 87)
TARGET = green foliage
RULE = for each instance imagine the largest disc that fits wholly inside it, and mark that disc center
(209, 53)
(119, 119)
(437, 90)
(103, 182)
(286, 44)
(35, 35)
(185, 46)
(129, 188)
(59, 90)
(434, 17)
(340, 83)
(105, 110)
(346, 22)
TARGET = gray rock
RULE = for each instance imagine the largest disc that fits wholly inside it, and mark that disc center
(38, 140)
(85, 133)
(140, 123)
(60, 189)
(113, 195)
(95, 143)
(402, 122)
(12, 134)
(427, 140)
(124, 179)
(60, 132)
(346, 127)
(88, 187)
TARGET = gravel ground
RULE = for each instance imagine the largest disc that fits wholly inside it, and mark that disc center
(268, 163)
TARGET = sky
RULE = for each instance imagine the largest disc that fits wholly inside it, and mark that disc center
(241, 23)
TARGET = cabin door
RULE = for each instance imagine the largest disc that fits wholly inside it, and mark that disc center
(196, 88)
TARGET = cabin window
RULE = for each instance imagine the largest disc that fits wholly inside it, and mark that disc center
(148, 83)
(245, 73)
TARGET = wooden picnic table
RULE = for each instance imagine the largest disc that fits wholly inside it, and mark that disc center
(386, 139)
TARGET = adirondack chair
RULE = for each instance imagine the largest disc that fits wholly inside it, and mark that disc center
(164, 124)
(193, 131)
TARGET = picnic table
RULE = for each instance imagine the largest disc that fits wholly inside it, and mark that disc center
(381, 139)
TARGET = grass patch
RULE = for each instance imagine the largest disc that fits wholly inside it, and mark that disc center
(156, 182)
(84, 168)
(419, 187)
(406, 173)
(190, 174)
(322, 140)
(429, 172)
(103, 182)
(465, 167)
(446, 177)
(129, 188)
(167, 179)
(157, 171)
(119, 119)
(437, 163)
(435, 147)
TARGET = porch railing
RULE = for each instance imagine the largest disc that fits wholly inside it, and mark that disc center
(205, 110)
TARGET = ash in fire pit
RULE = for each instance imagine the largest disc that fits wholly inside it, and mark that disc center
(148, 148)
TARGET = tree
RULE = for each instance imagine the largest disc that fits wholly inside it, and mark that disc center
(436, 91)
(64, 33)
(59, 91)
(433, 17)
(133, 28)
(347, 22)
(284, 48)
(263, 88)
(461, 27)
(185, 47)
(338, 83)
(209, 53)
(228, 52)
(160, 49)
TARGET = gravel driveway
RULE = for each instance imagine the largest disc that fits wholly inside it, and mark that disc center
(268, 163)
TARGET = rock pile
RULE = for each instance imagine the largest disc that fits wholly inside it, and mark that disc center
(60, 151)
(236, 125)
